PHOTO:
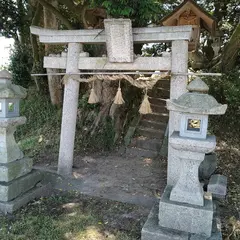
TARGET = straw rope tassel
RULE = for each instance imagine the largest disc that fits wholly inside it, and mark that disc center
(145, 107)
(93, 98)
(118, 98)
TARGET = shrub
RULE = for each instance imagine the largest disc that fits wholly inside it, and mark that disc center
(227, 91)
(20, 65)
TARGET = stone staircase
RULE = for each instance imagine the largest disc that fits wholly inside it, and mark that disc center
(150, 131)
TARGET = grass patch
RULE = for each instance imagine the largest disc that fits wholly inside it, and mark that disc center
(42, 129)
(72, 216)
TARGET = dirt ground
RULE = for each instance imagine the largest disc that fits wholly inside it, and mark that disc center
(142, 180)
(117, 177)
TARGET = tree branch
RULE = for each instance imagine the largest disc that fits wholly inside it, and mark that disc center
(69, 4)
(51, 8)
(78, 9)
(33, 38)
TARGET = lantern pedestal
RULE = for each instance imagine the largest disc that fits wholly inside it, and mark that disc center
(16, 174)
(192, 152)
(152, 231)
(9, 150)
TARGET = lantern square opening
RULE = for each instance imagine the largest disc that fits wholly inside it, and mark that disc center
(194, 126)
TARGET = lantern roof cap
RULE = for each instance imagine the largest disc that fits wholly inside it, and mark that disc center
(9, 90)
(4, 74)
(197, 85)
(196, 101)
(12, 91)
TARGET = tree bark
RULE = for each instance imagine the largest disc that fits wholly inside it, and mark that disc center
(231, 50)
(52, 8)
(54, 82)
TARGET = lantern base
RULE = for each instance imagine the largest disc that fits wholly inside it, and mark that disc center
(185, 217)
(22, 200)
(152, 231)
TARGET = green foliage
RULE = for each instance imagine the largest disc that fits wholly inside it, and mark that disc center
(20, 65)
(83, 104)
(141, 12)
(69, 216)
(9, 21)
(14, 19)
(42, 128)
(227, 91)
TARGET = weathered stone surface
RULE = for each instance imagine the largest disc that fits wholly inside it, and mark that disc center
(191, 153)
(13, 189)
(218, 186)
(185, 217)
(15, 169)
(188, 188)
(178, 87)
(119, 40)
(192, 145)
(197, 85)
(198, 103)
(69, 113)
(102, 63)
(9, 150)
(140, 35)
(9, 90)
(152, 231)
(207, 166)
(36, 192)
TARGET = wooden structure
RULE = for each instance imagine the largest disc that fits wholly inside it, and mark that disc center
(189, 13)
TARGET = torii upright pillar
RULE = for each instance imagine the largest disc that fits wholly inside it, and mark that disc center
(177, 88)
(69, 114)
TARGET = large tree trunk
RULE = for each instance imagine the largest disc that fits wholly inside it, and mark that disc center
(231, 51)
(54, 82)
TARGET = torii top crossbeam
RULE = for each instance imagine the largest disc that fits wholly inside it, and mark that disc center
(98, 36)
(119, 37)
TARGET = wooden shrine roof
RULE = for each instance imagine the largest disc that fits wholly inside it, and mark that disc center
(207, 21)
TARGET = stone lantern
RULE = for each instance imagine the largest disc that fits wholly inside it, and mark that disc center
(184, 209)
(17, 179)
(192, 140)
(192, 143)
(10, 96)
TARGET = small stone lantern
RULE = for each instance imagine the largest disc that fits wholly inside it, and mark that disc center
(10, 96)
(184, 206)
(17, 178)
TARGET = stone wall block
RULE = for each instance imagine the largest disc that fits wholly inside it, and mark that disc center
(218, 186)
(15, 169)
(11, 190)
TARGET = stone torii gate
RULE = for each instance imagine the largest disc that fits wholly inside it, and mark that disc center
(119, 37)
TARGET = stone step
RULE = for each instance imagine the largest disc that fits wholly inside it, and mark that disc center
(159, 108)
(13, 189)
(147, 143)
(157, 101)
(160, 117)
(153, 125)
(140, 152)
(150, 133)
